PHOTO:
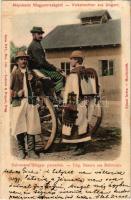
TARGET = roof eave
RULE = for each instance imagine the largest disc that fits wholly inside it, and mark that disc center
(82, 47)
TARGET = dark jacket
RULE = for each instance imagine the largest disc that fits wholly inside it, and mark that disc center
(16, 85)
(37, 57)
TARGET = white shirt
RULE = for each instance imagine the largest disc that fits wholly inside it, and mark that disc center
(24, 83)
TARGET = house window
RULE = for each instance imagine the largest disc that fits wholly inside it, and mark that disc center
(65, 66)
(107, 67)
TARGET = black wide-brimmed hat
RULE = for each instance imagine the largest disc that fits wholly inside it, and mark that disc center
(37, 30)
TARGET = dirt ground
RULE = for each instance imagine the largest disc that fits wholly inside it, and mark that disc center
(106, 145)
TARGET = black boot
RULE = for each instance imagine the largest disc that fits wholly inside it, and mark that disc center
(21, 145)
(31, 146)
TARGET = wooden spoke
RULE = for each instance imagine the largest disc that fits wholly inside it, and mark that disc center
(46, 119)
(49, 115)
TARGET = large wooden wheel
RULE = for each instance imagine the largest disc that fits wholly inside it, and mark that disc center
(48, 122)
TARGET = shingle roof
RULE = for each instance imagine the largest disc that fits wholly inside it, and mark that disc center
(78, 35)
(97, 13)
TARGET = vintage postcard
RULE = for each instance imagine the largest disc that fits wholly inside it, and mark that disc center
(65, 100)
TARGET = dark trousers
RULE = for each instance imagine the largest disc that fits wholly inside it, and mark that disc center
(21, 141)
(30, 142)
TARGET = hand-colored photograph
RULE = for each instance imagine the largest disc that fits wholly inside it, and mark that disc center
(65, 85)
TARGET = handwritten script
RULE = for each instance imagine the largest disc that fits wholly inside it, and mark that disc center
(62, 183)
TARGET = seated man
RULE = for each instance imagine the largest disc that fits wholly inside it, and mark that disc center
(38, 61)
(77, 110)
(25, 118)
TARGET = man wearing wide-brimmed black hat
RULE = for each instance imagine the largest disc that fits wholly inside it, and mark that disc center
(38, 60)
